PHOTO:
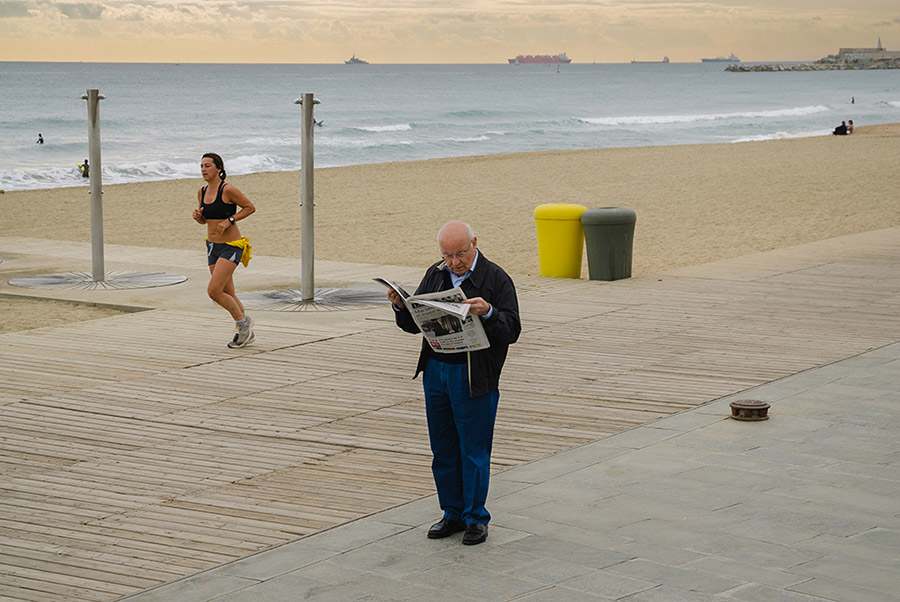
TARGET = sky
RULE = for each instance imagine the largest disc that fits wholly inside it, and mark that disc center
(432, 31)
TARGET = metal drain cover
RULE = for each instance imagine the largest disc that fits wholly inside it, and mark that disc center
(111, 280)
(325, 299)
(749, 409)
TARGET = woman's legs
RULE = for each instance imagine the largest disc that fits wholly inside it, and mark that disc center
(221, 288)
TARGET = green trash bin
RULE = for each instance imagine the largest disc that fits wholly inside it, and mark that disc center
(609, 238)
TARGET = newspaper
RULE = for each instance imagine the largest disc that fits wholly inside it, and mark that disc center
(443, 319)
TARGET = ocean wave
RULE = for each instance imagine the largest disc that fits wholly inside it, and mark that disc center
(151, 170)
(782, 136)
(667, 119)
(470, 113)
(60, 177)
(245, 164)
(400, 127)
(339, 143)
(471, 139)
(274, 141)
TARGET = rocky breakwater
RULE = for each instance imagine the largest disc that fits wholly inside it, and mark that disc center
(820, 65)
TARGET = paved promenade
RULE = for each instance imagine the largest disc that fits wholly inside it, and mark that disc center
(695, 507)
(141, 458)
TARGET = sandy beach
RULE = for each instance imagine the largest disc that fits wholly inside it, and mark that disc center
(694, 204)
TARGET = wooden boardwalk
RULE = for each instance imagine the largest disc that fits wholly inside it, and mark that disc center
(137, 449)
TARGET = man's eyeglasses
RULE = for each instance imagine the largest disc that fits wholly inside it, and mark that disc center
(460, 255)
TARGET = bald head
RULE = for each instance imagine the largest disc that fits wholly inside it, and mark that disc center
(457, 243)
(456, 229)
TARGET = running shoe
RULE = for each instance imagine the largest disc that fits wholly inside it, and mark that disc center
(243, 335)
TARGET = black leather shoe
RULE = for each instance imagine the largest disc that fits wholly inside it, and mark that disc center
(475, 534)
(445, 528)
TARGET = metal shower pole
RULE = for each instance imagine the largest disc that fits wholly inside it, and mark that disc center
(94, 97)
(307, 202)
(305, 299)
(99, 280)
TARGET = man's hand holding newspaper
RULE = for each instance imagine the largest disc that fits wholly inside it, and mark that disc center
(447, 319)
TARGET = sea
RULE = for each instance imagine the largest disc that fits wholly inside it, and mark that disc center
(156, 120)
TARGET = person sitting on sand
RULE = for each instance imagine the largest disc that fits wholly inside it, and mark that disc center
(850, 127)
(840, 130)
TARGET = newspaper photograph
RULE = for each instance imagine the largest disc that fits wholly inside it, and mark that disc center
(443, 319)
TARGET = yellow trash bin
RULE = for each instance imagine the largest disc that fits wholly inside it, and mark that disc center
(560, 239)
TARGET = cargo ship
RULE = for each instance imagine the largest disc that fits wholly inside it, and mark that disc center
(723, 59)
(547, 59)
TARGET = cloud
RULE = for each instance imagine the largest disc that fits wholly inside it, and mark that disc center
(431, 30)
(81, 10)
(13, 9)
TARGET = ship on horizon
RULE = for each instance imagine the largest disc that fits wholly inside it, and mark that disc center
(664, 60)
(722, 59)
(545, 59)
(354, 60)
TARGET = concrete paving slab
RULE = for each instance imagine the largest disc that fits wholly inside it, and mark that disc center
(551, 570)
(683, 576)
(528, 525)
(670, 593)
(609, 584)
(558, 593)
(819, 589)
(877, 577)
(468, 578)
(275, 562)
(657, 552)
(755, 592)
(207, 586)
(588, 555)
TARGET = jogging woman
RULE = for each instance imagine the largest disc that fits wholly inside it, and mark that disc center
(220, 207)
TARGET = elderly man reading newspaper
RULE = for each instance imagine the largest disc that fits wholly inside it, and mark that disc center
(461, 385)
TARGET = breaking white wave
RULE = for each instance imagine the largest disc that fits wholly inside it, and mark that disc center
(782, 136)
(401, 127)
(356, 143)
(671, 119)
(60, 177)
(472, 139)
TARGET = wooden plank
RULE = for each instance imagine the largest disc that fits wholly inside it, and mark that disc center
(100, 540)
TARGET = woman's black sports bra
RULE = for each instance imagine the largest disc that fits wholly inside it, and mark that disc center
(218, 209)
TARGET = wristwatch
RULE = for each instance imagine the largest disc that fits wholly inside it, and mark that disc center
(231, 218)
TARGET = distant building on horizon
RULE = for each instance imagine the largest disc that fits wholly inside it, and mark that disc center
(866, 54)
(845, 59)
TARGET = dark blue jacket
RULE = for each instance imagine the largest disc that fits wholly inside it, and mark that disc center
(494, 285)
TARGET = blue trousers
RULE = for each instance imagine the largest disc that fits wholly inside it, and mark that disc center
(461, 431)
